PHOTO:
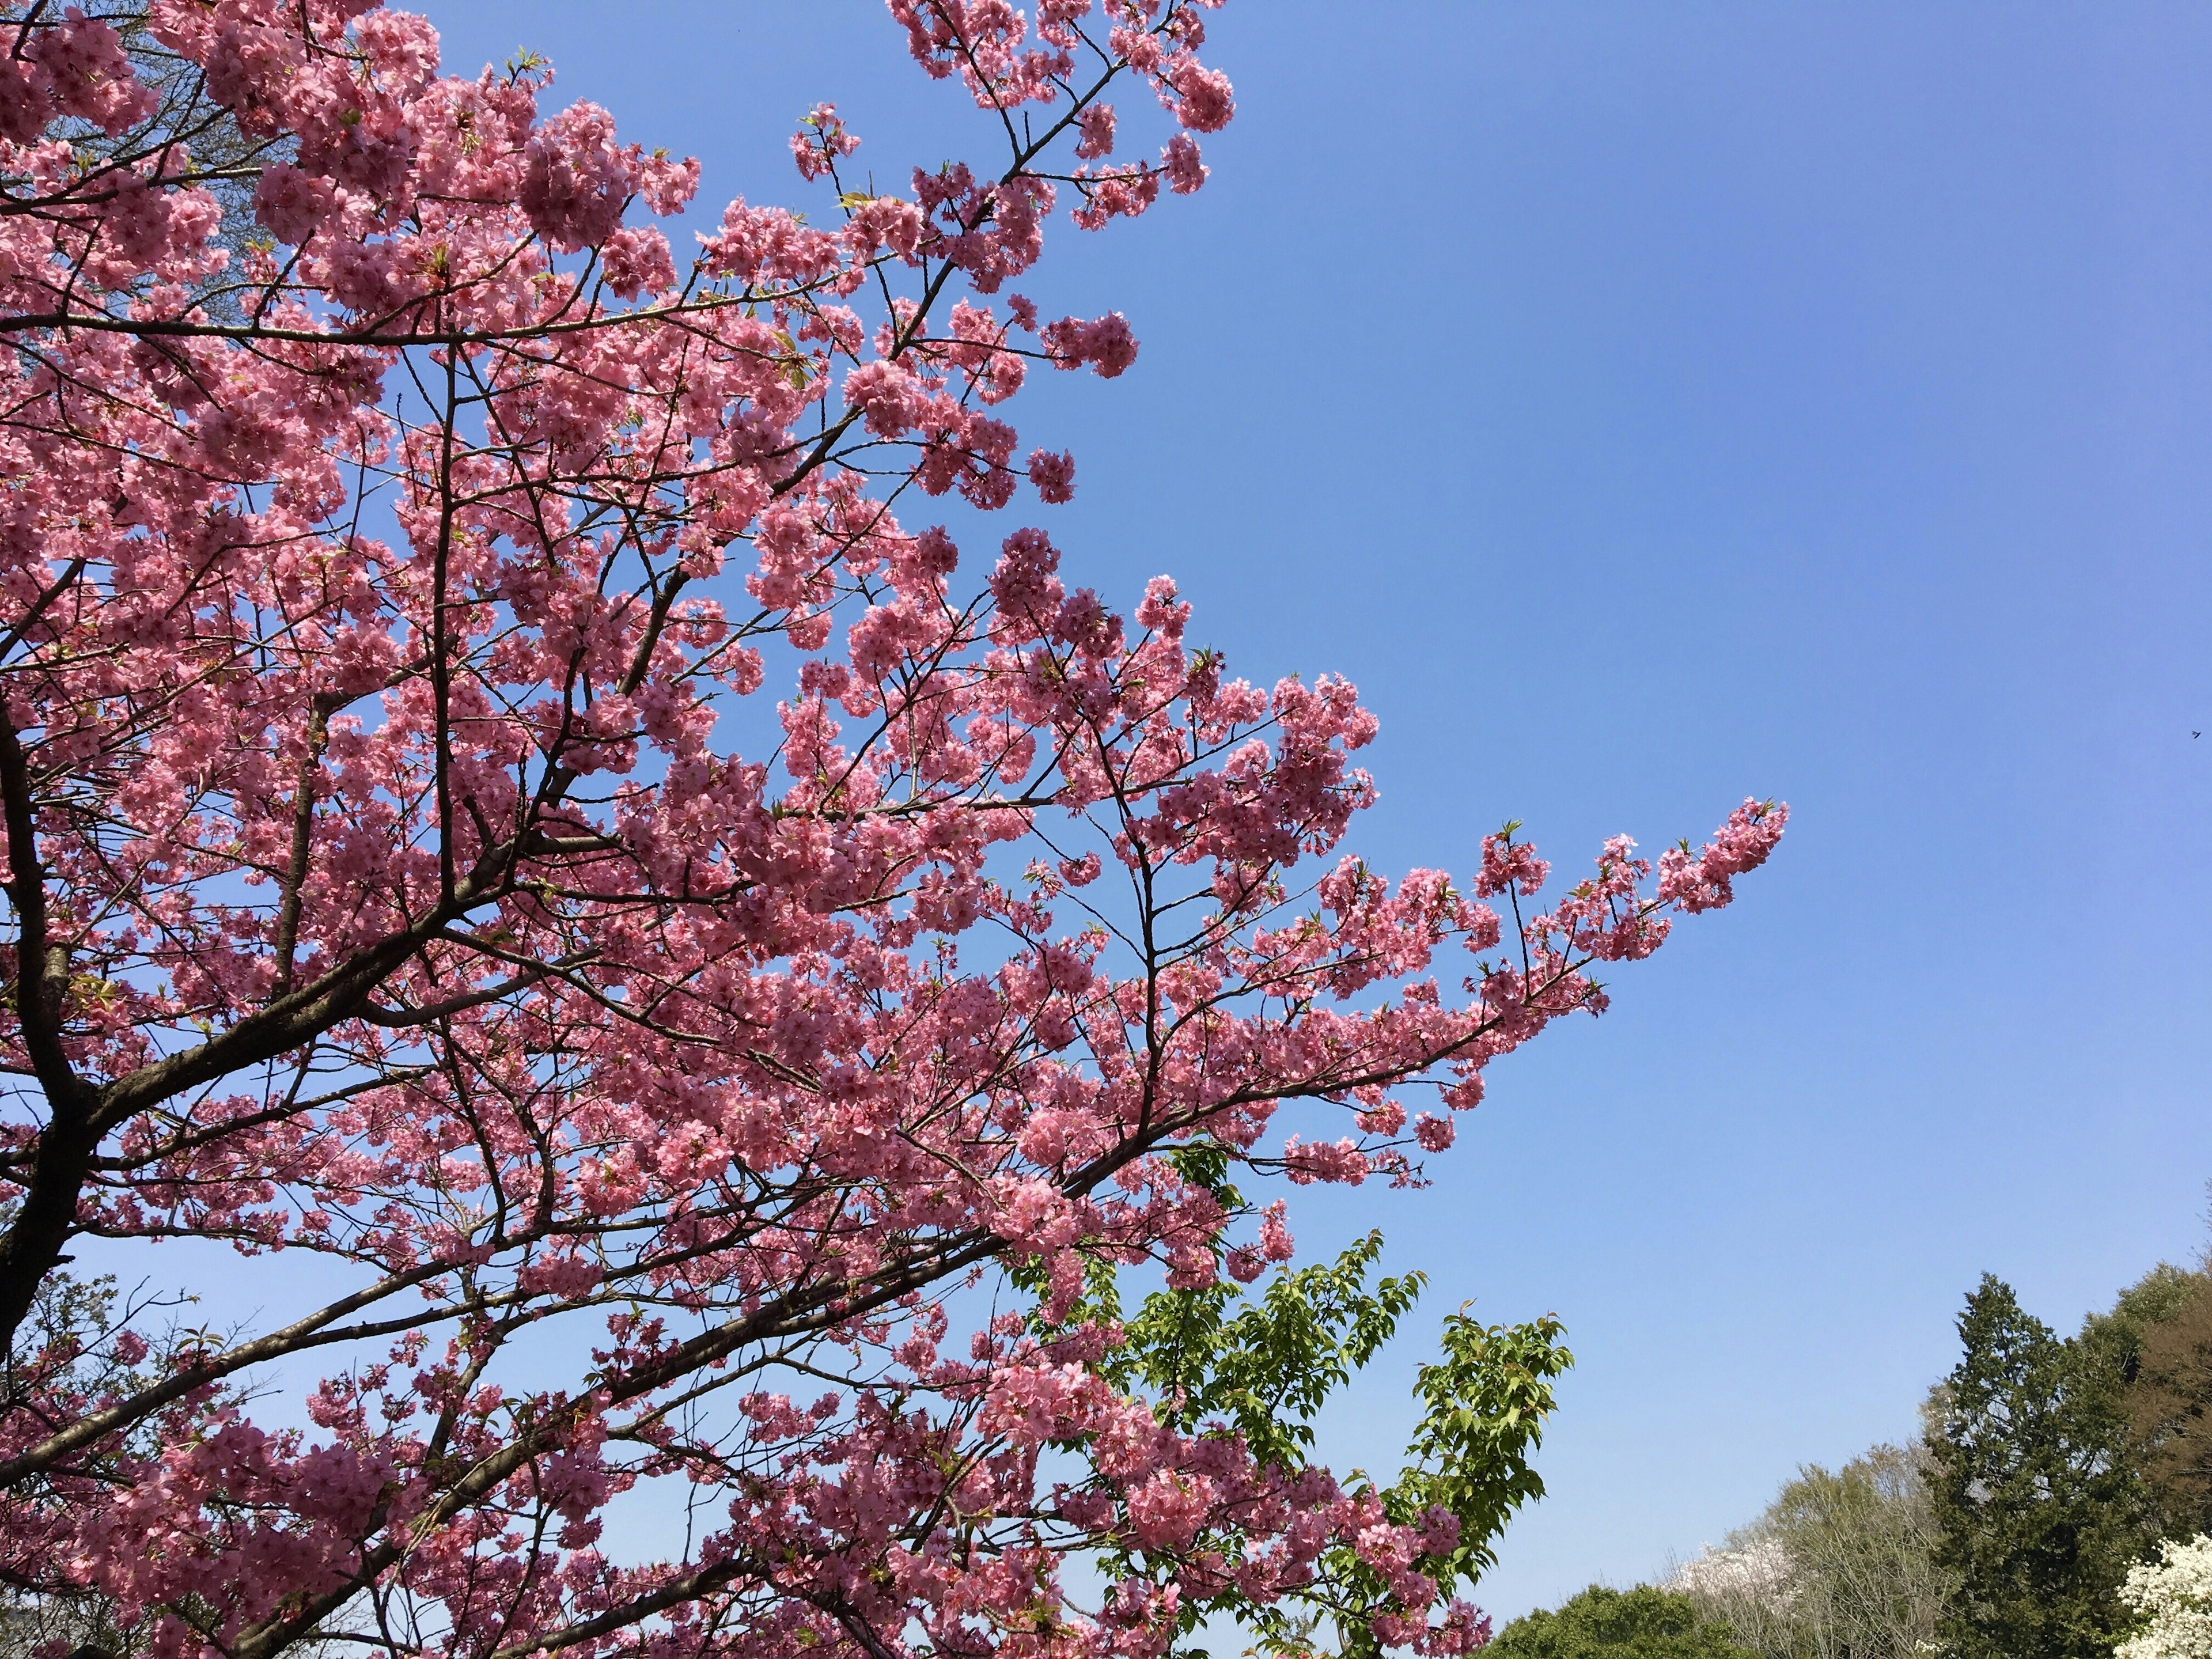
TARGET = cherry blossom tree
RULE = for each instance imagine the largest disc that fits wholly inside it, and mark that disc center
(693, 1107)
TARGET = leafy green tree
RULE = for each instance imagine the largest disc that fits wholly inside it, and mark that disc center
(1261, 1365)
(1643, 1623)
(2038, 1514)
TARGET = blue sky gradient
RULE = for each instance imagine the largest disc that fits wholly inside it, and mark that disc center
(1649, 406)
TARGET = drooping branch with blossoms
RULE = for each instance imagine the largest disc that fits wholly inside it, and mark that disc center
(385, 891)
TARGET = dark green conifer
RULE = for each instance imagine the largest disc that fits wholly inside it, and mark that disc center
(2036, 1512)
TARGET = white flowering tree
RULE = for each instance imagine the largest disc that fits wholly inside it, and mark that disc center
(2173, 1596)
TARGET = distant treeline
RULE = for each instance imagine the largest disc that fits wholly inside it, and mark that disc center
(2057, 1505)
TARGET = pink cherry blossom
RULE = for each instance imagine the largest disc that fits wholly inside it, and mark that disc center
(1053, 475)
(681, 1093)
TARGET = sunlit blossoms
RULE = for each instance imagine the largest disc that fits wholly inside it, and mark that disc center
(691, 1093)
(2172, 1597)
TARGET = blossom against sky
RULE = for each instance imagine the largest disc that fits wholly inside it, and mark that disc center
(1642, 406)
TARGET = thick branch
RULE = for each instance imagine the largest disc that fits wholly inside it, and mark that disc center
(41, 1227)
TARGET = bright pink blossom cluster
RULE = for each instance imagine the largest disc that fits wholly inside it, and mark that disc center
(374, 589)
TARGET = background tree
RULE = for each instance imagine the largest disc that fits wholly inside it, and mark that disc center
(1841, 1564)
(735, 1110)
(1746, 1585)
(2046, 1472)
(2157, 1341)
(1643, 1623)
(2038, 1515)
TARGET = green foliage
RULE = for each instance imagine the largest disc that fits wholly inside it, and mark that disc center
(1643, 1623)
(2038, 1514)
(1265, 1366)
(1484, 1404)
(1261, 1365)
(2154, 1299)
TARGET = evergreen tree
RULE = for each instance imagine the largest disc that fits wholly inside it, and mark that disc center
(2038, 1514)
(1643, 1623)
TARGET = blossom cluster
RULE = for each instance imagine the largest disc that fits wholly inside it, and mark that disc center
(2173, 1598)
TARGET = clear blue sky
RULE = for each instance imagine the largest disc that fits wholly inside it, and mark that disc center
(1647, 406)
